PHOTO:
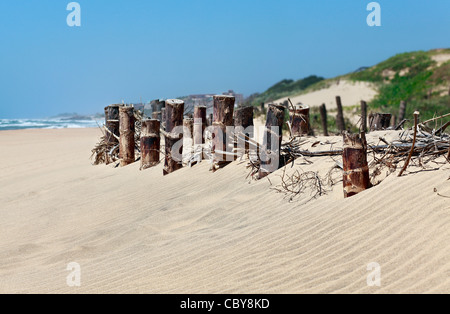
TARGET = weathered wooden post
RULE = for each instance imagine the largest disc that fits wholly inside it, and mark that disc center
(112, 123)
(270, 156)
(262, 107)
(127, 127)
(243, 117)
(363, 116)
(157, 105)
(299, 119)
(340, 115)
(160, 105)
(153, 104)
(243, 123)
(188, 125)
(210, 119)
(188, 140)
(324, 118)
(173, 135)
(393, 121)
(199, 130)
(223, 118)
(150, 143)
(356, 169)
(163, 118)
(402, 111)
(156, 115)
(379, 121)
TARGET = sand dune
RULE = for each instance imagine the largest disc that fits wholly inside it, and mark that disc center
(200, 232)
(351, 94)
(441, 58)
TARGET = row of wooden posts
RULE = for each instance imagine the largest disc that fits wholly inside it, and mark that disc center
(167, 119)
(377, 121)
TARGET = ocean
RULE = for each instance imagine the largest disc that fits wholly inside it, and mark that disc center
(20, 124)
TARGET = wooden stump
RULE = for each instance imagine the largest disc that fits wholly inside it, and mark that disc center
(243, 117)
(243, 122)
(402, 111)
(188, 125)
(160, 105)
(112, 123)
(150, 143)
(340, 115)
(356, 169)
(324, 118)
(163, 118)
(363, 116)
(210, 119)
(157, 105)
(156, 115)
(379, 121)
(153, 105)
(127, 127)
(199, 130)
(188, 141)
(173, 135)
(393, 122)
(223, 118)
(299, 119)
(270, 156)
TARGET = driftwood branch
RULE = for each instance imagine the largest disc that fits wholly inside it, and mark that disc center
(416, 118)
(448, 155)
(437, 118)
(400, 125)
(107, 130)
(442, 128)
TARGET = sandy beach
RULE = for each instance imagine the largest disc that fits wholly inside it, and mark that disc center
(195, 231)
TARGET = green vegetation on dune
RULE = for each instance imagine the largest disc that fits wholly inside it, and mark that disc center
(413, 63)
(413, 77)
(282, 89)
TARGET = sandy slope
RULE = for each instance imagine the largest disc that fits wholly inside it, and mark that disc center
(195, 231)
(351, 94)
(441, 58)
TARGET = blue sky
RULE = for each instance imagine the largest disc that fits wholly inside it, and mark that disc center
(159, 49)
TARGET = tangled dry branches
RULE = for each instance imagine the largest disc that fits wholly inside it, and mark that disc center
(106, 151)
(386, 156)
